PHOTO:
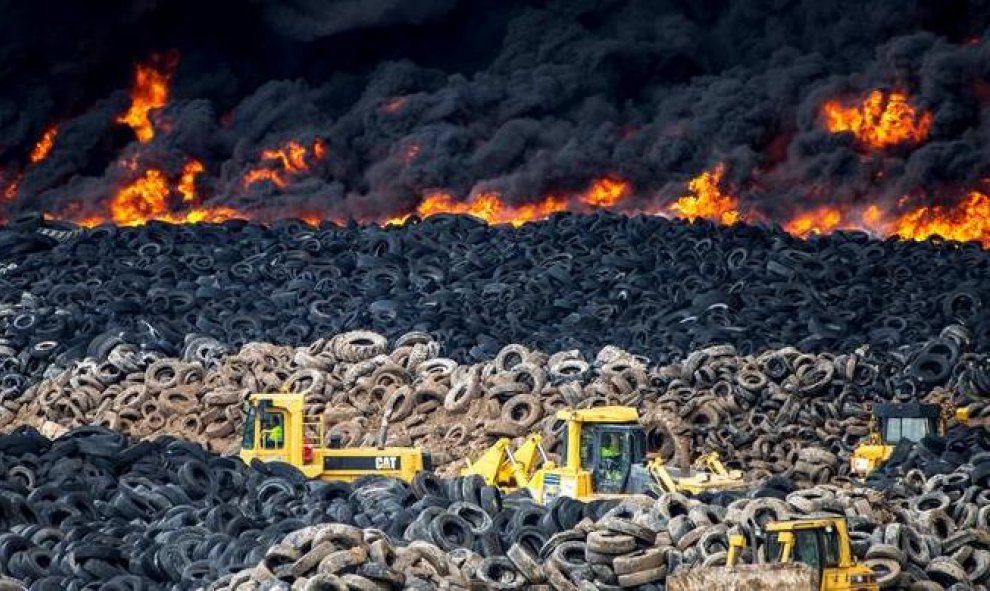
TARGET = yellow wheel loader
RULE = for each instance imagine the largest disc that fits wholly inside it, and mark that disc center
(892, 423)
(276, 428)
(800, 554)
(604, 455)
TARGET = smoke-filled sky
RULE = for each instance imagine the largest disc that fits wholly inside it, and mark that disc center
(523, 98)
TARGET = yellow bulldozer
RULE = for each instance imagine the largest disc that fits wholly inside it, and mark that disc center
(604, 455)
(801, 554)
(891, 423)
(276, 428)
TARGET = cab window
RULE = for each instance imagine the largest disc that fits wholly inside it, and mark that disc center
(247, 442)
(588, 436)
(830, 545)
(272, 430)
(912, 429)
(807, 550)
(614, 461)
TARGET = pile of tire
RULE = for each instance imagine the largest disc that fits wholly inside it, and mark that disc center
(657, 287)
(779, 412)
(911, 543)
(92, 508)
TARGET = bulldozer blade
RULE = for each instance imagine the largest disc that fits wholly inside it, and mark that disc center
(747, 577)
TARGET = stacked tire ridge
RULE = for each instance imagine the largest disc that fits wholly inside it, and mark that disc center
(741, 340)
(784, 415)
(661, 288)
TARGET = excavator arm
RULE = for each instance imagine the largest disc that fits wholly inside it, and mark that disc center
(711, 462)
(501, 466)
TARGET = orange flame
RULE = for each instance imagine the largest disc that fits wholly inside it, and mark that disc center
(141, 200)
(146, 198)
(150, 91)
(187, 182)
(489, 207)
(821, 220)
(606, 192)
(44, 146)
(965, 221)
(880, 120)
(705, 199)
(290, 160)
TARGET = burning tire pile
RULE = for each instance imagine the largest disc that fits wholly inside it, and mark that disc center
(743, 341)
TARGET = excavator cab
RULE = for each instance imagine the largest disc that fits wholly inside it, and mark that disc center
(889, 425)
(911, 422)
(799, 554)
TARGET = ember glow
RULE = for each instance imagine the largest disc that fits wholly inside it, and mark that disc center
(394, 104)
(706, 199)
(878, 121)
(44, 146)
(285, 163)
(147, 198)
(10, 189)
(150, 91)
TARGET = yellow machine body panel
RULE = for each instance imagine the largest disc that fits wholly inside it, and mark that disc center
(276, 429)
(803, 553)
(868, 456)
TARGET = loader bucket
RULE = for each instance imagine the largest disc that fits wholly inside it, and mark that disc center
(745, 577)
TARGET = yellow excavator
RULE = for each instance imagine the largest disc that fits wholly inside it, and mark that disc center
(800, 554)
(604, 455)
(891, 423)
(276, 428)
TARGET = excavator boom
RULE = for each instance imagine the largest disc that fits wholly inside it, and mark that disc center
(502, 467)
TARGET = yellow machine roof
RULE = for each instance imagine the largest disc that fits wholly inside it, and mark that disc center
(804, 523)
(277, 398)
(600, 414)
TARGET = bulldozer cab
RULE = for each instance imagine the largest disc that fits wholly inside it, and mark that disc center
(817, 546)
(604, 451)
(275, 429)
(822, 545)
(609, 452)
(911, 422)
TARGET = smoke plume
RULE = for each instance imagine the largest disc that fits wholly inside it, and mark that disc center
(817, 115)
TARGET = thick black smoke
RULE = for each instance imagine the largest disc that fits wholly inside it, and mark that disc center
(521, 97)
